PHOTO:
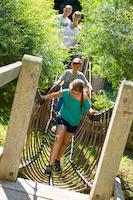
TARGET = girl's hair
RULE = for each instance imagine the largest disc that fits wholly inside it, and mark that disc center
(77, 13)
(78, 85)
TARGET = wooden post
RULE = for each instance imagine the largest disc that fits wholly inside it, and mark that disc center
(114, 144)
(20, 117)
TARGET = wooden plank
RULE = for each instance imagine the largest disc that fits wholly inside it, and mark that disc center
(23, 189)
(7, 194)
(20, 117)
(98, 84)
(9, 72)
(114, 144)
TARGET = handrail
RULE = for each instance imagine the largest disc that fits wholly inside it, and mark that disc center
(9, 72)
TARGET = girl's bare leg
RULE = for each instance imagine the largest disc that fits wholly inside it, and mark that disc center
(66, 139)
(59, 137)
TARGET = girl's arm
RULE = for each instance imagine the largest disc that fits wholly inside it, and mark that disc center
(53, 95)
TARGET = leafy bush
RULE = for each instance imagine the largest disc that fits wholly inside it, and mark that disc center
(101, 101)
(29, 27)
(107, 37)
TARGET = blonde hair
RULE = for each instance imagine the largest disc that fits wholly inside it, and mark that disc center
(77, 13)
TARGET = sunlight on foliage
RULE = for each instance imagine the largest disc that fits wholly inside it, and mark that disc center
(29, 27)
(101, 101)
(107, 37)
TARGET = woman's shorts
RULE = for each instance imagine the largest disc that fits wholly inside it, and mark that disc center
(69, 127)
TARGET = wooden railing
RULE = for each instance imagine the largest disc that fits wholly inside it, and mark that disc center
(9, 72)
(28, 72)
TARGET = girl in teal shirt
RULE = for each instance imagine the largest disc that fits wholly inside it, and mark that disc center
(75, 103)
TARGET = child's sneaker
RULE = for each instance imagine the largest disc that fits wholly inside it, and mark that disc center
(48, 170)
(57, 165)
(53, 129)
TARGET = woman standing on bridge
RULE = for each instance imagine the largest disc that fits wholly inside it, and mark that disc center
(75, 103)
(70, 75)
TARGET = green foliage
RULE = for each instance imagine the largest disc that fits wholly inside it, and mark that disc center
(101, 101)
(107, 37)
(28, 27)
(6, 98)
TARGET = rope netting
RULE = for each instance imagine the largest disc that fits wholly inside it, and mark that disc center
(80, 160)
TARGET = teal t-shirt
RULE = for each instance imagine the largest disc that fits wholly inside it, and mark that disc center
(70, 110)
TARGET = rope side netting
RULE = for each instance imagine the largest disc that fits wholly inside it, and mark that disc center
(80, 160)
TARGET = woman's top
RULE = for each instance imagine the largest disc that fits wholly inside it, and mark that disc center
(68, 76)
(63, 22)
(71, 36)
(71, 110)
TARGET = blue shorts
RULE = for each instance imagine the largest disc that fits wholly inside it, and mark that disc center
(69, 127)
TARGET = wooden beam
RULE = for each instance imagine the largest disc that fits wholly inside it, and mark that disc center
(114, 144)
(9, 72)
(20, 117)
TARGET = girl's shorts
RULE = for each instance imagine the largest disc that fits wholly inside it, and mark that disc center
(69, 127)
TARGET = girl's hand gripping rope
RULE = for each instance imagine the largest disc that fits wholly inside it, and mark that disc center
(39, 99)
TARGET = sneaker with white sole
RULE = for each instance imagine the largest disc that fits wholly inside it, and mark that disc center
(53, 129)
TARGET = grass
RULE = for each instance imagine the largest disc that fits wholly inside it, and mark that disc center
(126, 174)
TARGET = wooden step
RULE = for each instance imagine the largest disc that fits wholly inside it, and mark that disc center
(24, 189)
